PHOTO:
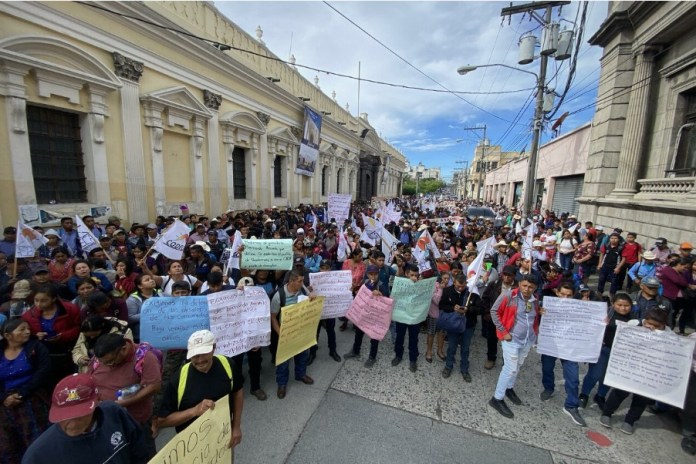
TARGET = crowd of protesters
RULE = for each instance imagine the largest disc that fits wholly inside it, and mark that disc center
(65, 311)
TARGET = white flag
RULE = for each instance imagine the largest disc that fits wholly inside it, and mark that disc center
(518, 228)
(389, 243)
(315, 222)
(572, 228)
(234, 250)
(172, 242)
(481, 245)
(28, 241)
(88, 241)
(475, 269)
(373, 230)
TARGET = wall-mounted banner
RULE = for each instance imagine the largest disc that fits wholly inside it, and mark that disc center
(309, 146)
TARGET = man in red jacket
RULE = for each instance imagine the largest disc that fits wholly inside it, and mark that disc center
(515, 315)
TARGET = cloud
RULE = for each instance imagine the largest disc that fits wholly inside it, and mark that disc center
(436, 38)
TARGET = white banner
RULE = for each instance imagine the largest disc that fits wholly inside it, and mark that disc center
(389, 243)
(373, 230)
(655, 364)
(339, 207)
(336, 286)
(172, 242)
(240, 320)
(572, 329)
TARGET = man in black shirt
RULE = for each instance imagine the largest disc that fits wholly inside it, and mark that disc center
(199, 383)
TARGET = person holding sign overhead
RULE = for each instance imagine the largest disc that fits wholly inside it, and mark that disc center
(202, 381)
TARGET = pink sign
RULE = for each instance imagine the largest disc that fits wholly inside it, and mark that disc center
(372, 314)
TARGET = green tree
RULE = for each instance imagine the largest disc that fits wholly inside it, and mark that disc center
(424, 186)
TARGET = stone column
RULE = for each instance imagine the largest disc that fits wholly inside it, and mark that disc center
(212, 102)
(264, 186)
(130, 71)
(636, 122)
(197, 140)
(153, 120)
(95, 159)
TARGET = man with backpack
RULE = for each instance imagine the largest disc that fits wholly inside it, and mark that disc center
(130, 374)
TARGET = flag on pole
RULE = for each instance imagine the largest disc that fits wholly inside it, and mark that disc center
(172, 242)
(373, 230)
(572, 228)
(389, 243)
(234, 250)
(475, 269)
(315, 222)
(88, 241)
(28, 241)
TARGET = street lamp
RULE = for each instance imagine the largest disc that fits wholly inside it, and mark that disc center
(536, 134)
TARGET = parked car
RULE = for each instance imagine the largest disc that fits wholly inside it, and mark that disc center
(480, 212)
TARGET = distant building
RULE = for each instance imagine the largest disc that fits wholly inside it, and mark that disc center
(487, 158)
(560, 175)
(426, 173)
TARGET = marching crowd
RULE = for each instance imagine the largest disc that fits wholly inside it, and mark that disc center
(72, 353)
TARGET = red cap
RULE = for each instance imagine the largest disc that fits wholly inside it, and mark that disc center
(74, 396)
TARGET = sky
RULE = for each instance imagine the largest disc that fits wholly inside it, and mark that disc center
(421, 44)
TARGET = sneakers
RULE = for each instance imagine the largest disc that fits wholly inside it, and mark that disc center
(259, 394)
(512, 396)
(351, 354)
(396, 361)
(583, 400)
(501, 407)
(605, 421)
(688, 445)
(575, 416)
(467, 377)
(413, 367)
(370, 362)
(489, 364)
(546, 395)
(600, 400)
(627, 428)
(446, 373)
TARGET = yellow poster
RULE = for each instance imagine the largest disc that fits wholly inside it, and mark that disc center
(205, 440)
(298, 328)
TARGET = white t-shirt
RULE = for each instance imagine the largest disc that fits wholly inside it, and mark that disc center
(168, 282)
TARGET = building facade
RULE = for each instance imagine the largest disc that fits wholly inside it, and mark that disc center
(641, 168)
(424, 172)
(487, 158)
(560, 175)
(110, 109)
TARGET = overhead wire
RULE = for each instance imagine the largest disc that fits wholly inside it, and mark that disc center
(412, 65)
(279, 60)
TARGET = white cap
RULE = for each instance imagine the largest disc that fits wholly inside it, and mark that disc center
(200, 342)
(300, 231)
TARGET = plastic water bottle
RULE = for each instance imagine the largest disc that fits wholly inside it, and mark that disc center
(128, 391)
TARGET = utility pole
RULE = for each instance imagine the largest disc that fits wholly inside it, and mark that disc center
(465, 171)
(481, 165)
(530, 8)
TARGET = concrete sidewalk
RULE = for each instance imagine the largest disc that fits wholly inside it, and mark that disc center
(388, 414)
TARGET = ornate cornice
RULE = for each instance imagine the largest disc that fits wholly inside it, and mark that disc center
(212, 100)
(127, 68)
(263, 117)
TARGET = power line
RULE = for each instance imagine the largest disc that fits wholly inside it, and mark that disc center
(279, 60)
(413, 66)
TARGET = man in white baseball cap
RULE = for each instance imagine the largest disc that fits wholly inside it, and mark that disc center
(202, 381)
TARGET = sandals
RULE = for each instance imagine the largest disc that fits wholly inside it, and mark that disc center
(429, 359)
(441, 356)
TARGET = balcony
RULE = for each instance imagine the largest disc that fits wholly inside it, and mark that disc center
(675, 189)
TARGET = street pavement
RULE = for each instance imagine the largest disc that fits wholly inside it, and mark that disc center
(390, 415)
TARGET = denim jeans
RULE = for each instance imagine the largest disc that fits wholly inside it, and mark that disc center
(514, 354)
(595, 374)
(413, 331)
(456, 339)
(283, 370)
(571, 378)
(607, 275)
(566, 261)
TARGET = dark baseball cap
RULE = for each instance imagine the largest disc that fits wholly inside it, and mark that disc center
(510, 270)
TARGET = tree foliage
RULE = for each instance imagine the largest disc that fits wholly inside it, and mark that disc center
(424, 186)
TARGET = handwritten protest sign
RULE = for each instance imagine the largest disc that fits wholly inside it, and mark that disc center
(339, 207)
(240, 320)
(298, 328)
(372, 314)
(335, 286)
(167, 322)
(207, 439)
(411, 299)
(572, 329)
(655, 364)
(267, 254)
